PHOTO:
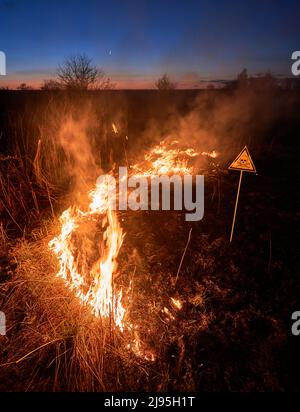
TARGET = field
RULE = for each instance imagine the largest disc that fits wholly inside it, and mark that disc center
(201, 313)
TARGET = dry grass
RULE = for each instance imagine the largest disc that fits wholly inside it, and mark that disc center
(53, 343)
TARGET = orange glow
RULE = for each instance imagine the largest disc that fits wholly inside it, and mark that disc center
(93, 285)
(166, 158)
(212, 154)
(176, 303)
(92, 277)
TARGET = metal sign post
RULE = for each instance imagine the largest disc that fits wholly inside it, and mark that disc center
(242, 162)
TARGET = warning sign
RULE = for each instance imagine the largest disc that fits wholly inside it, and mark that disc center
(243, 162)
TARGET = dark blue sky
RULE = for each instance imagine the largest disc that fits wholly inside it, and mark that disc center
(136, 41)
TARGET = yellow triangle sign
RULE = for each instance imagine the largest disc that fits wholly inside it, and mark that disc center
(243, 162)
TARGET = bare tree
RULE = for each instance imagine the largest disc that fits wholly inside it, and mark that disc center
(79, 73)
(164, 83)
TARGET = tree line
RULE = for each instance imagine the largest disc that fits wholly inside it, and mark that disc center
(79, 73)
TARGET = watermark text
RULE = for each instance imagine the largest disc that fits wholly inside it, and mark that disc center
(296, 324)
(2, 324)
(296, 65)
(2, 63)
(139, 192)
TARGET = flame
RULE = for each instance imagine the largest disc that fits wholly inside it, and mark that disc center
(93, 284)
(212, 154)
(92, 277)
(139, 350)
(166, 158)
(176, 303)
(115, 129)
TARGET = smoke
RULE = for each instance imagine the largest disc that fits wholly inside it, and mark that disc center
(76, 136)
(221, 120)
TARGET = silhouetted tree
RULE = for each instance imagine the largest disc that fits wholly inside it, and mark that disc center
(24, 86)
(79, 73)
(242, 78)
(51, 84)
(164, 83)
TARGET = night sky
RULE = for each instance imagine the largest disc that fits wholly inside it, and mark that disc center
(137, 41)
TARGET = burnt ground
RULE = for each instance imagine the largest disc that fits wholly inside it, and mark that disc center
(234, 330)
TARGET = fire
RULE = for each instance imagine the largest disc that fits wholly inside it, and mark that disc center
(90, 271)
(139, 350)
(166, 158)
(114, 127)
(92, 283)
(212, 154)
(176, 303)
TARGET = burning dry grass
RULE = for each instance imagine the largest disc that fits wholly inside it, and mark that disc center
(52, 328)
(53, 342)
(210, 331)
